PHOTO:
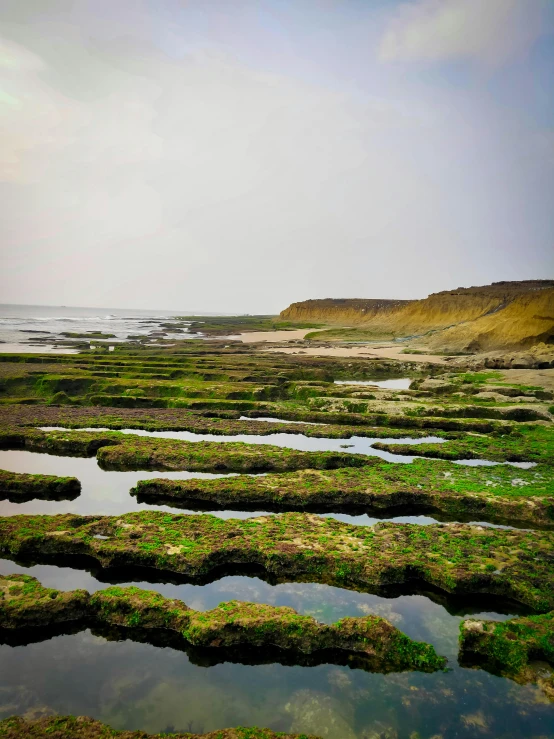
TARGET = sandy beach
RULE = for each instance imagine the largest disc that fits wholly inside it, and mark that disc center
(34, 349)
(253, 337)
(382, 352)
(385, 351)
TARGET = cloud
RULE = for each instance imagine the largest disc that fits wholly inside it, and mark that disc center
(143, 173)
(186, 166)
(489, 31)
(42, 127)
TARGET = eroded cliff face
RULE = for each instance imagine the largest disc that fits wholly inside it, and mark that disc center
(526, 320)
(504, 314)
(341, 312)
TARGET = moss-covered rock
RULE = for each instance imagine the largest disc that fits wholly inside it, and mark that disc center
(117, 451)
(323, 425)
(215, 420)
(237, 624)
(82, 727)
(137, 452)
(20, 487)
(471, 493)
(457, 558)
(24, 603)
(512, 648)
(524, 444)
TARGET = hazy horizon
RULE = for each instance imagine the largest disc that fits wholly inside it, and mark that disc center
(242, 156)
(200, 313)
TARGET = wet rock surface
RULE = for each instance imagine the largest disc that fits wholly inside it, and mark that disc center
(456, 558)
(82, 727)
(21, 487)
(25, 604)
(513, 649)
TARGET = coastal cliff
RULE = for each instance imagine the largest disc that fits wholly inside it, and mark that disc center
(345, 311)
(501, 315)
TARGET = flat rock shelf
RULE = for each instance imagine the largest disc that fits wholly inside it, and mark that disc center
(456, 558)
(497, 494)
(370, 642)
(279, 596)
(21, 487)
(82, 727)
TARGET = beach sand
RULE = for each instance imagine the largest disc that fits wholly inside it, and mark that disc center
(371, 352)
(252, 337)
(34, 349)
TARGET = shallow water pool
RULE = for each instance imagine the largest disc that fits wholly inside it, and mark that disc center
(402, 383)
(129, 683)
(107, 492)
(300, 442)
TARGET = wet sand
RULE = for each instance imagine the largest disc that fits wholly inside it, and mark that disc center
(385, 351)
(32, 349)
(252, 337)
(371, 352)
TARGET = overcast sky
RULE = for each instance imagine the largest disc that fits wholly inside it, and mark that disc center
(238, 155)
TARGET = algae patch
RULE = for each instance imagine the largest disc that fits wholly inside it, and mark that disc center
(375, 644)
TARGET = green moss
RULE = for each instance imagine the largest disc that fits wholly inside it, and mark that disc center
(61, 398)
(20, 487)
(478, 378)
(332, 426)
(82, 727)
(144, 453)
(524, 444)
(489, 493)
(297, 546)
(25, 603)
(510, 648)
(126, 451)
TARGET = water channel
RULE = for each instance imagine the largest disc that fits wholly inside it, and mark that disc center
(132, 681)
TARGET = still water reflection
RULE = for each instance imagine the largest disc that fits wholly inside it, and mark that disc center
(134, 685)
(300, 442)
(107, 492)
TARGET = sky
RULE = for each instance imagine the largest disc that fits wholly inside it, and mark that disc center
(239, 155)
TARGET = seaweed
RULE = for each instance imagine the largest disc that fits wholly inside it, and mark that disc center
(456, 558)
(24, 604)
(83, 727)
(20, 487)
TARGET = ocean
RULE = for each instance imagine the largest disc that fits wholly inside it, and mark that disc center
(40, 328)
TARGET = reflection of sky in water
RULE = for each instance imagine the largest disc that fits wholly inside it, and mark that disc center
(168, 691)
(351, 445)
(107, 492)
(402, 383)
(102, 492)
(326, 603)
(132, 685)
